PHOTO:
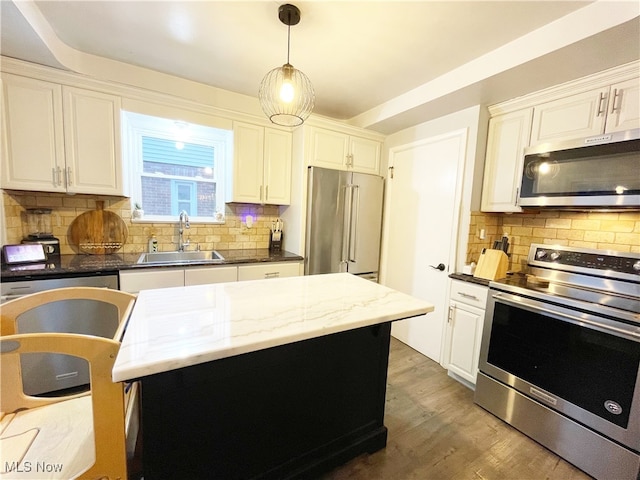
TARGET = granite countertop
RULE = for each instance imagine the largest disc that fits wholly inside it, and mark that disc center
(469, 278)
(172, 328)
(80, 265)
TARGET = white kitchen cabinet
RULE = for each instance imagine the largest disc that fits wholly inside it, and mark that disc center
(624, 106)
(268, 270)
(508, 136)
(60, 139)
(92, 142)
(464, 329)
(33, 139)
(261, 169)
(133, 281)
(204, 275)
(340, 151)
(595, 112)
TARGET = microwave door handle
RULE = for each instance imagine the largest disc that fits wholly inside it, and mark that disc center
(628, 333)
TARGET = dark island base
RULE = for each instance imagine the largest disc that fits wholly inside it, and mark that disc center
(293, 411)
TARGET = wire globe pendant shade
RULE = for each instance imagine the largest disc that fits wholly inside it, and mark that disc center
(286, 94)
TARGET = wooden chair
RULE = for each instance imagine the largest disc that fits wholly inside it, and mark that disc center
(81, 435)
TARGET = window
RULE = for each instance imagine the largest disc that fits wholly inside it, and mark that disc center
(176, 166)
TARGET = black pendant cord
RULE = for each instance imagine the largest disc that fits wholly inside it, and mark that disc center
(288, 37)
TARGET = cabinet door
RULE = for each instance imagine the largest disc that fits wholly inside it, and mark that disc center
(248, 169)
(33, 139)
(569, 118)
(277, 167)
(134, 281)
(365, 155)
(465, 325)
(202, 276)
(329, 149)
(508, 137)
(268, 270)
(92, 142)
(624, 106)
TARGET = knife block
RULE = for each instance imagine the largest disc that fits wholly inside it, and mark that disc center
(492, 265)
(275, 241)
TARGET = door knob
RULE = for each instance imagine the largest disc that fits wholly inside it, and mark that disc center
(440, 267)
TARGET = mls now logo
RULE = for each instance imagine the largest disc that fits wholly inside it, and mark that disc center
(27, 467)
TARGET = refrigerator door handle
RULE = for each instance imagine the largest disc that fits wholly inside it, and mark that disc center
(353, 227)
(346, 230)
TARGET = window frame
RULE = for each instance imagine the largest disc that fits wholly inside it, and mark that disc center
(135, 126)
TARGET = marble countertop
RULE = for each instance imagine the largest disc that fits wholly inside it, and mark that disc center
(78, 265)
(171, 328)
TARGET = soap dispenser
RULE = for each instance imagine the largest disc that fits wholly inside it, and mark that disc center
(153, 244)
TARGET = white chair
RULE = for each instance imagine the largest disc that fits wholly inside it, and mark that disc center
(75, 436)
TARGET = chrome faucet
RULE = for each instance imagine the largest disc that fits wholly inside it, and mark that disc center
(183, 222)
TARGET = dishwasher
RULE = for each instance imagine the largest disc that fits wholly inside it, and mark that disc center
(45, 374)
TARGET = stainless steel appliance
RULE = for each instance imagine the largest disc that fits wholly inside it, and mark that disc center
(45, 373)
(344, 222)
(596, 172)
(560, 356)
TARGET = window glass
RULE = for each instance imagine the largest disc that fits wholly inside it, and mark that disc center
(176, 166)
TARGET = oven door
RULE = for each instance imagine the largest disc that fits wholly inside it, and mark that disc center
(579, 364)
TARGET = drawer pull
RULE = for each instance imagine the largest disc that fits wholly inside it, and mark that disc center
(468, 295)
(272, 275)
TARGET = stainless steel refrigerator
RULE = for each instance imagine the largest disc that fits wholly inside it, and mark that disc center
(344, 222)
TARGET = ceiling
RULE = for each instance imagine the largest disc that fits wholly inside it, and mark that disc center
(383, 65)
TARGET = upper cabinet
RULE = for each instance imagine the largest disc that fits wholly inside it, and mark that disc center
(340, 151)
(599, 111)
(624, 106)
(508, 136)
(604, 103)
(60, 139)
(261, 169)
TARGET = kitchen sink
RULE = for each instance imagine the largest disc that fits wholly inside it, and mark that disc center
(181, 257)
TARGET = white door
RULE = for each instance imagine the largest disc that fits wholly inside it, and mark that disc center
(421, 231)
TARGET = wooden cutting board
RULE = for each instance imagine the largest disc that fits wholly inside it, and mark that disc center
(98, 232)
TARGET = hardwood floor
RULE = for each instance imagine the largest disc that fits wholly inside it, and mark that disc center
(436, 432)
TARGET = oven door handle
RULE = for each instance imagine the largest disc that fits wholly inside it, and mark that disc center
(631, 332)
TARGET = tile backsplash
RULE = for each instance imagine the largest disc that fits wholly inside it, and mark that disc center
(233, 234)
(606, 231)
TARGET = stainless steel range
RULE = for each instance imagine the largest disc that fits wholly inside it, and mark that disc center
(560, 356)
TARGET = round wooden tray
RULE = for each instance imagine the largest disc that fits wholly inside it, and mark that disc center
(98, 232)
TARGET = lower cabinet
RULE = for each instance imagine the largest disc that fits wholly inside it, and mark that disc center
(133, 281)
(464, 330)
(201, 276)
(268, 270)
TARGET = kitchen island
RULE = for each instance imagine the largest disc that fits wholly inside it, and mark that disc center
(277, 378)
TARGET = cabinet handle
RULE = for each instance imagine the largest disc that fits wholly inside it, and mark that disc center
(350, 160)
(272, 275)
(69, 177)
(468, 295)
(517, 196)
(53, 175)
(266, 193)
(616, 93)
(59, 176)
(260, 192)
(601, 107)
(450, 315)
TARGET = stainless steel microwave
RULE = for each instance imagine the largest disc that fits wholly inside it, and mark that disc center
(595, 172)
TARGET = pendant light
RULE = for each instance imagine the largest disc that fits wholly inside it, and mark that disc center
(286, 94)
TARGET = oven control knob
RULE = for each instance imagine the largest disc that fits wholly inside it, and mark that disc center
(540, 254)
(555, 256)
(636, 266)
